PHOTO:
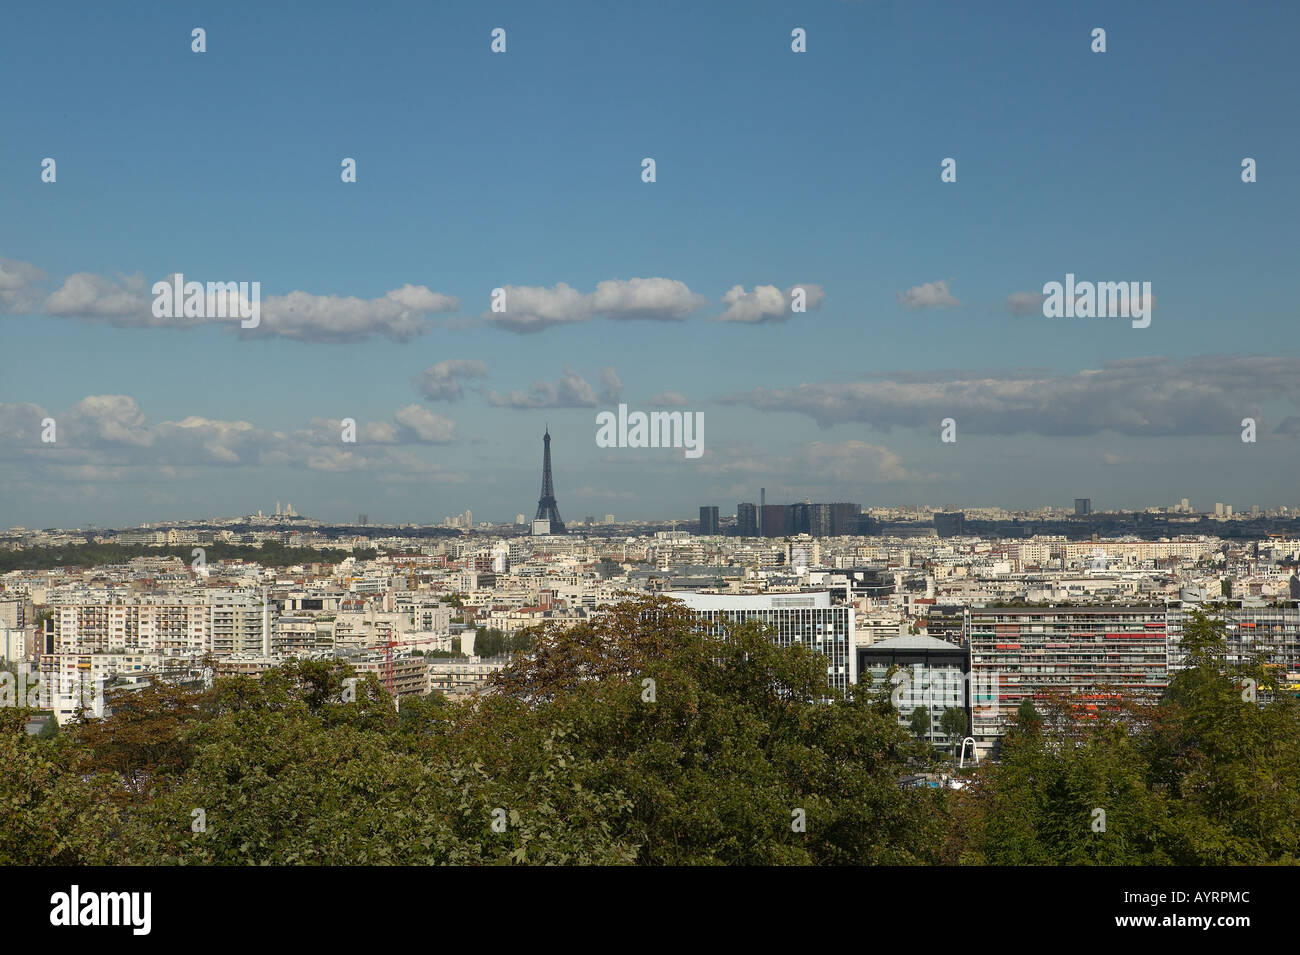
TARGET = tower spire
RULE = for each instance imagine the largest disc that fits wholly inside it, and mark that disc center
(546, 509)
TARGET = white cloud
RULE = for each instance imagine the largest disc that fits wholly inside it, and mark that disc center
(612, 386)
(423, 426)
(657, 299)
(1025, 303)
(442, 381)
(670, 399)
(19, 285)
(86, 295)
(571, 391)
(854, 461)
(1140, 396)
(401, 314)
(533, 308)
(766, 303)
(929, 295)
(111, 433)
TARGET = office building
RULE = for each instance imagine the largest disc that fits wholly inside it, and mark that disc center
(950, 523)
(708, 521)
(932, 674)
(775, 520)
(746, 520)
(807, 618)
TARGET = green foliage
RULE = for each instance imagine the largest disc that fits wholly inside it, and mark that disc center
(920, 721)
(638, 737)
(1028, 720)
(1206, 777)
(491, 642)
(953, 723)
(570, 758)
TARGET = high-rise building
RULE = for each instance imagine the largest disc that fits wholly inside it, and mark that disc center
(1082, 506)
(546, 508)
(708, 521)
(1269, 633)
(807, 618)
(1090, 654)
(775, 520)
(240, 623)
(799, 518)
(950, 523)
(746, 520)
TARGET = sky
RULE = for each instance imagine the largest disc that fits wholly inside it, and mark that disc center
(523, 170)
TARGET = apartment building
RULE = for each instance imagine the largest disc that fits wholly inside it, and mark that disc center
(1255, 631)
(409, 675)
(240, 623)
(459, 678)
(1029, 653)
(162, 628)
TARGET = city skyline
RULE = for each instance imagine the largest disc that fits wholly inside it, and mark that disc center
(775, 171)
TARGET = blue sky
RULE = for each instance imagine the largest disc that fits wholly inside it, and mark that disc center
(523, 170)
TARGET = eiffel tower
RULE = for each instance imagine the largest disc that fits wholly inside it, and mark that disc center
(546, 509)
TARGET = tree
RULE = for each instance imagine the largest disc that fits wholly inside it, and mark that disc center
(638, 737)
(1205, 776)
(733, 735)
(920, 721)
(1028, 719)
(953, 723)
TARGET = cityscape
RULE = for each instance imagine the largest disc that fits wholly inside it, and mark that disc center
(590, 435)
(897, 585)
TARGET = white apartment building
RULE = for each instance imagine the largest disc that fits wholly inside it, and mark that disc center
(807, 618)
(162, 628)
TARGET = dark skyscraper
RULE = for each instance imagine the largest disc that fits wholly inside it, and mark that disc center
(775, 520)
(546, 509)
(800, 518)
(708, 521)
(950, 523)
(1082, 506)
(746, 520)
